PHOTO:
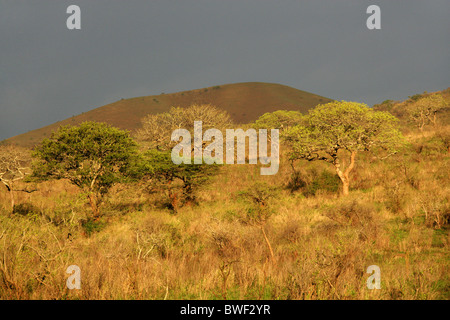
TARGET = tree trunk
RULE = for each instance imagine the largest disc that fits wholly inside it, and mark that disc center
(173, 196)
(94, 206)
(345, 175)
(345, 181)
(422, 125)
(268, 243)
(11, 194)
(345, 186)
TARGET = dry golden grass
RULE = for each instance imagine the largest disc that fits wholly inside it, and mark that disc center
(396, 217)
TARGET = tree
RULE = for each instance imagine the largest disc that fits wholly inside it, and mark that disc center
(14, 166)
(157, 128)
(280, 119)
(93, 156)
(424, 110)
(159, 167)
(180, 180)
(337, 130)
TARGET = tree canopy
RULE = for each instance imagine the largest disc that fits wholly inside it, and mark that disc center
(424, 110)
(157, 128)
(92, 156)
(180, 180)
(337, 128)
(15, 163)
(280, 119)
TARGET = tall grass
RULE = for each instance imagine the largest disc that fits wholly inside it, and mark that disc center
(396, 217)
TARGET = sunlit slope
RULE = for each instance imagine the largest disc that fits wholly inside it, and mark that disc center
(244, 101)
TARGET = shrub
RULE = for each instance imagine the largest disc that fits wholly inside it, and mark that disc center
(311, 182)
(415, 97)
(91, 226)
(296, 182)
(26, 209)
(325, 181)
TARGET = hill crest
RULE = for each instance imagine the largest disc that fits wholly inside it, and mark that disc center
(244, 101)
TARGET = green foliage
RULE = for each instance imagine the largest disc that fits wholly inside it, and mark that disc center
(296, 182)
(325, 181)
(343, 125)
(415, 97)
(281, 120)
(386, 105)
(439, 236)
(91, 226)
(93, 156)
(159, 167)
(312, 182)
(159, 164)
(334, 129)
(26, 209)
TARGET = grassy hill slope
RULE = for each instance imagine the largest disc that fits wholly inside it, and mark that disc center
(311, 244)
(400, 108)
(244, 101)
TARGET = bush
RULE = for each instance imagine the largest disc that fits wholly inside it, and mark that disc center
(415, 97)
(26, 209)
(312, 182)
(257, 197)
(325, 181)
(91, 226)
(296, 182)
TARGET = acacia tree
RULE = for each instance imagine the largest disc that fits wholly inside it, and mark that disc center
(280, 119)
(335, 132)
(424, 110)
(157, 128)
(181, 181)
(14, 166)
(93, 156)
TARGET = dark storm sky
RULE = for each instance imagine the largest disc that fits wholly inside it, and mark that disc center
(135, 48)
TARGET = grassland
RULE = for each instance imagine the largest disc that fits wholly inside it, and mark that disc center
(396, 216)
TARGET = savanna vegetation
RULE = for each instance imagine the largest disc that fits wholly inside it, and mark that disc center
(140, 227)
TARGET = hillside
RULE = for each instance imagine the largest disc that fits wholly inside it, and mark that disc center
(289, 236)
(400, 108)
(244, 101)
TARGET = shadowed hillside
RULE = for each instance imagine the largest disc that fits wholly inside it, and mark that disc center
(244, 101)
